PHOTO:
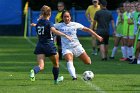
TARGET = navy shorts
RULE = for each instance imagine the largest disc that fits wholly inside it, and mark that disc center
(48, 49)
(105, 40)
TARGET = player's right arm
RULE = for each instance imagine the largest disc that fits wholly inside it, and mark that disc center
(60, 33)
(92, 33)
(33, 24)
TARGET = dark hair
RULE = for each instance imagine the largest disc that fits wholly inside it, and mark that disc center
(64, 13)
(103, 3)
(62, 3)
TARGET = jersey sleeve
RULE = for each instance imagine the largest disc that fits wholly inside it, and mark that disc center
(57, 25)
(79, 26)
(51, 24)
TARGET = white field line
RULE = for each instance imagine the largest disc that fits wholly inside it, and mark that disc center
(98, 89)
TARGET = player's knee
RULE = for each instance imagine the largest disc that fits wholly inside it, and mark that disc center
(56, 64)
(41, 67)
(88, 61)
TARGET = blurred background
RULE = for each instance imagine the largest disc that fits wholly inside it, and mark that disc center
(14, 22)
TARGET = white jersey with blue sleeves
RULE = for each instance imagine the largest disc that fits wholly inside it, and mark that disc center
(70, 30)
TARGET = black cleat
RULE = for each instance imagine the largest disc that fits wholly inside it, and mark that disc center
(74, 79)
(104, 59)
(134, 61)
(111, 58)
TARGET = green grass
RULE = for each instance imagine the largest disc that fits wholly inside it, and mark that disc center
(17, 58)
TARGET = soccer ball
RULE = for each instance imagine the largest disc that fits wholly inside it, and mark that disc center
(88, 75)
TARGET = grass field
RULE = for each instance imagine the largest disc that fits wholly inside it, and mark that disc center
(17, 58)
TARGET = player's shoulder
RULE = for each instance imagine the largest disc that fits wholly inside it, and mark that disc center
(74, 23)
(58, 25)
(89, 7)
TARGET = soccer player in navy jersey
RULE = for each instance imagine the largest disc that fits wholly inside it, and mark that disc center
(45, 46)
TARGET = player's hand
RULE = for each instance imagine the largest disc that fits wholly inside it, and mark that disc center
(100, 38)
(33, 24)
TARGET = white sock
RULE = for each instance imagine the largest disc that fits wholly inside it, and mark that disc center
(71, 69)
(132, 48)
(138, 59)
(114, 50)
(132, 51)
(124, 52)
(129, 52)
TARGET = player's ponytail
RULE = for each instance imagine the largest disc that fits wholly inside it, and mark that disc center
(45, 11)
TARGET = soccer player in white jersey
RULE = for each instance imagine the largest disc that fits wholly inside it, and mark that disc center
(73, 48)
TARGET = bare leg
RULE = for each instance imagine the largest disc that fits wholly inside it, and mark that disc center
(85, 58)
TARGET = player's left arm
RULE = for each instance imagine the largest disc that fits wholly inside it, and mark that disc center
(113, 26)
(92, 33)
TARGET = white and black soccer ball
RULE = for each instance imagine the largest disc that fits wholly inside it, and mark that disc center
(88, 75)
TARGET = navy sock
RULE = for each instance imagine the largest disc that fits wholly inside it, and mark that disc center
(36, 69)
(55, 71)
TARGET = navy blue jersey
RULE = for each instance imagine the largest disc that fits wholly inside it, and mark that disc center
(43, 31)
(45, 44)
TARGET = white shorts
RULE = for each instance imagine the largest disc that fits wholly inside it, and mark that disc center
(125, 37)
(131, 37)
(118, 35)
(76, 51)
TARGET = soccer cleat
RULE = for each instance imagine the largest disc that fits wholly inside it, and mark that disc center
(111, 58)
(74, 79)
(32, 75)
(60, 79)
(55, 82)
(94, 53)
(133, 62)
(123, 59)
(104, 59)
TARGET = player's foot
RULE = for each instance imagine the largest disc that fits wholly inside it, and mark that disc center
(32, 75)
(60, 79)
(94, 52)
(111, 57)
(74, 79)
(133, 62)
(123, 59)
(129, 60)
(104, 59)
